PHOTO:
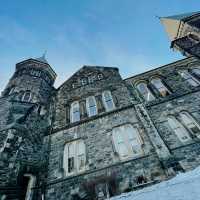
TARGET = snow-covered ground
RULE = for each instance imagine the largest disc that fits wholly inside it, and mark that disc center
(185, 186)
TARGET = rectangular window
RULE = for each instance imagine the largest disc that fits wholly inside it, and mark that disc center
(74, 157)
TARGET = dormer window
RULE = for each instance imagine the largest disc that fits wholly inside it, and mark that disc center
(145, 92)
(162, 89)
(108, 101)
(75, 112)
(189, 78)
(91, 106)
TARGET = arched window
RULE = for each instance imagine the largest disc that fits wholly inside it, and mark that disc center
(11, 90)
(74, 157)
(189, 78)
(26, 96)
(178, 129)
(91, 106)
(75, 112)
(190, 123)
(127, 141)
(145, 92)
(108, 101)
(158, 84)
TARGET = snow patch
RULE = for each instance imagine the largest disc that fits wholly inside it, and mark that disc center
(185, 186)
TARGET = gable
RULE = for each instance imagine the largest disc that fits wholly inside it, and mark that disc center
(88, 75)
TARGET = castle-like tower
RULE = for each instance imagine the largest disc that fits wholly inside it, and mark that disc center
(97, 135)
(25, 119)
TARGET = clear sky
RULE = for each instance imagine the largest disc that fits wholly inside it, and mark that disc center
(121, 33)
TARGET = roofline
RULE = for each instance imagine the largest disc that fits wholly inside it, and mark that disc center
(35, 60)
(163, 66)
(190, 17)
(85, 66)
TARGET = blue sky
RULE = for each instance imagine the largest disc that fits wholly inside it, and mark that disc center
(121, 33)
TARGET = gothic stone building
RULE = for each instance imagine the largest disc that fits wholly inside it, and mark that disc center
(98, 135)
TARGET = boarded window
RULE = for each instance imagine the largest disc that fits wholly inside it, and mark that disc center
(74, 157)
(178, 129)
(127, 141)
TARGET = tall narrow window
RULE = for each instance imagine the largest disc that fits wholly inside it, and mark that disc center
(91, 106)
(189, 78)
(120, 142)
(74, 157)
(158, 84)
(190, 123)
(71, 157)
(26, 96)
(127, 141)
(108, 101)
(12, 90)
(178, 129)
(80, 155)
(75, 112)
(145, 92)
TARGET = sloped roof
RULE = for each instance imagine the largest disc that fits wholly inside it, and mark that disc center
(172, 23)
(181, 16)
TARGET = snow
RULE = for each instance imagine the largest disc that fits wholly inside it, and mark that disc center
(185, 186)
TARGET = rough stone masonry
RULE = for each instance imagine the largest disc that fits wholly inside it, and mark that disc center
(99, 135)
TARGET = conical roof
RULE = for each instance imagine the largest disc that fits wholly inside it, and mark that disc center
(172, 23)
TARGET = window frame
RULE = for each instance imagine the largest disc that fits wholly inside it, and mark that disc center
(147, 93)
(24, 95)
(179, 126)
(126, 141)
(110, 99)
(193, 121)
(161, 89)
(88, 106)
(188, 77)
(72, 116)
(76, 146)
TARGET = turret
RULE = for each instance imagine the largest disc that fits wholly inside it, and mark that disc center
(184, 32)
(32, 81)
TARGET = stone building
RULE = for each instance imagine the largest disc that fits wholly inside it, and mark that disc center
(99, 135)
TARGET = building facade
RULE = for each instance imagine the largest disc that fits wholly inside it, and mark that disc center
(98, 135)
